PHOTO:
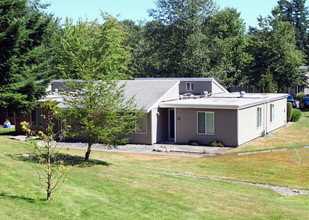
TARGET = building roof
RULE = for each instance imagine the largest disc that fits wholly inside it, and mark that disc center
(148, 94)
(225, 101)
(180, 79)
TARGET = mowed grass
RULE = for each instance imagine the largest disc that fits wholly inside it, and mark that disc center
(128, 186)
(296, 134)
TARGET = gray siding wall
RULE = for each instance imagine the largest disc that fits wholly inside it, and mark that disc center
(225, 126)
(199, 87)
(280, 115)
(143, 138)
(248, 129)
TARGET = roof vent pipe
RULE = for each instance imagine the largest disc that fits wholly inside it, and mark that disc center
(242, 93)
(205, 94)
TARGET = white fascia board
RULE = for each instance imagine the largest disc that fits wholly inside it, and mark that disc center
(220, 106)
(156, 104)
(204, 106)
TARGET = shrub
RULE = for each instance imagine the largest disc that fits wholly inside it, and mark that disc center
(289, 111)
(300, 96)
(296, 115)
(216, 144)
(194, 143)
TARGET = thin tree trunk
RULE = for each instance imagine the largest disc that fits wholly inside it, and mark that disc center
(48, 176)
(88, 152)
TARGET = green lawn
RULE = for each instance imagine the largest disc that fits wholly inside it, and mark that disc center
(7, 132)
(128, 186)
(296, 134)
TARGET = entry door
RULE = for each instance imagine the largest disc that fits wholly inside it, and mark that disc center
(171, 124)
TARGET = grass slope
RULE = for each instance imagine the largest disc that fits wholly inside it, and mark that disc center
(118, 186)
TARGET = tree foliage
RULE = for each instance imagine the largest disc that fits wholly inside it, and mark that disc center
(23, 46)
(92, 51)
(296, 13)
(99, 112)
(275, 57)
(191, 39)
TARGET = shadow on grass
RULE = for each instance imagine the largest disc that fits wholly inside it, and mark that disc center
(5, 195)
(9, 132)
(67, 160)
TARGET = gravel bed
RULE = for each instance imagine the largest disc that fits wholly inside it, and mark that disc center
(159, 149)
(121, 148)
(281, 190)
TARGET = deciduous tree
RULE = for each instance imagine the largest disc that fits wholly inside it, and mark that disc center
(92, 51)
(50, 163)
(275, 57)
(99, 112)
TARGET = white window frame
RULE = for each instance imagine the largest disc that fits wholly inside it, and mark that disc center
(272, 112)
(259, 117)
(206, 133)
(137, 132)
(190, 86)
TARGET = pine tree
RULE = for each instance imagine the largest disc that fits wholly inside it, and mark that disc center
(295, 12)
(23, 74)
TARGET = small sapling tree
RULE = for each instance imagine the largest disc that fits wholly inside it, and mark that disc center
(50, 163)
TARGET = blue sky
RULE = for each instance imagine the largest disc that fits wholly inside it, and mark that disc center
(137, 9)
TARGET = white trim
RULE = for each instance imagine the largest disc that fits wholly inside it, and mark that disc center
(205, 122)
(222, 106)
(272, 112)
(259, 117)
(156, 104)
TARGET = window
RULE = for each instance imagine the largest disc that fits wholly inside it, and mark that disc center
(189, 87)
(141, 125)
(272, 112)
(259, 117)
(36, 116)
(205, 123)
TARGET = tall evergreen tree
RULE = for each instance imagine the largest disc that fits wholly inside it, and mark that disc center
(300, 16)
(296, 13)
(23, 72)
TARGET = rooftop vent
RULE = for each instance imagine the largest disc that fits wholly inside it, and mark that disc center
(205, 94)
(242, 93)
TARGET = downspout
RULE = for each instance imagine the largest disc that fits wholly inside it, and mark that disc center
(266, 125)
